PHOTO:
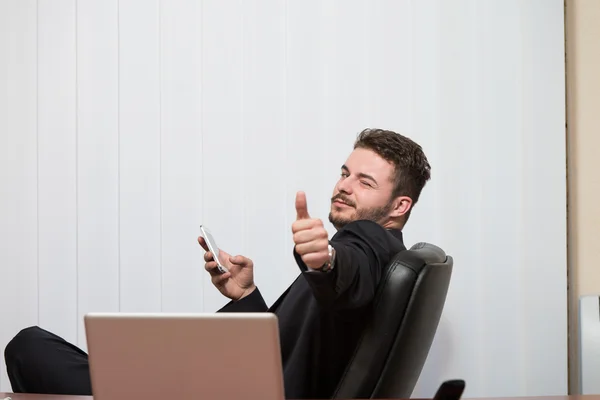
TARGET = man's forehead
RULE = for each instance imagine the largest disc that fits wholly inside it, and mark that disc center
(367, 161)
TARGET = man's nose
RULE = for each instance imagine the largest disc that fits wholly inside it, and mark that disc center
(345, 186)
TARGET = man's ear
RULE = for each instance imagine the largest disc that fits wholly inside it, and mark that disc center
(401, 206)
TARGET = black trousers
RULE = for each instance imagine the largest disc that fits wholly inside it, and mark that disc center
(38, 361)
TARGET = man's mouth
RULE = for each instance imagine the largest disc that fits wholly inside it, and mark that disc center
(340, 202)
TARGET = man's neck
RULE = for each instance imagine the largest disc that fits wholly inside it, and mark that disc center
(392, 225)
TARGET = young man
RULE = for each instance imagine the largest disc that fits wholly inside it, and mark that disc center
(322, 314)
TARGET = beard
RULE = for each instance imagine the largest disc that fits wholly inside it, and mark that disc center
(377, 214)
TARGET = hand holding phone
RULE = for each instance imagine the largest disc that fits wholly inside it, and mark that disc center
(213, 248)
(233, 276)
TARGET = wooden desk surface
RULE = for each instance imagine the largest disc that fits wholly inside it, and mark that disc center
(15, 396)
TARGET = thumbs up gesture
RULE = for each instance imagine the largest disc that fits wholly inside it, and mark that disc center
(310, 236)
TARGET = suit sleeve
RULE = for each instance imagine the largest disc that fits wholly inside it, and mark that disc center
(254, 302)
(363, 250)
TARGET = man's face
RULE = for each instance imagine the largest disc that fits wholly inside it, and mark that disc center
(363, 191)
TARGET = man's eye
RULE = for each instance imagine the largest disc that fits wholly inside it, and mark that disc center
(344, 175)
(366, 183)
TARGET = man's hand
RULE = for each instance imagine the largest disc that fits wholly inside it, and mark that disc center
(238, 282)
(310, 236)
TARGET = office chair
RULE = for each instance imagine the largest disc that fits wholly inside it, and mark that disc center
(406, 311)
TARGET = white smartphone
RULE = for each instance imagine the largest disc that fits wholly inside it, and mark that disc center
(213, 248)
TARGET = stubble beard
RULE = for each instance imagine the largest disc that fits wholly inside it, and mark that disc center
(377, 215)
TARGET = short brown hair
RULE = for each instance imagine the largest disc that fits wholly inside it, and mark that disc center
(412, 170)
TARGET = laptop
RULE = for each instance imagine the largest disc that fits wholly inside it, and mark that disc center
(158, 356)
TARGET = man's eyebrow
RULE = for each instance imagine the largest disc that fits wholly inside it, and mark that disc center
(361, 175)
(369, 177)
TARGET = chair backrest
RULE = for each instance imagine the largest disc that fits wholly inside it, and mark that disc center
(406, 311)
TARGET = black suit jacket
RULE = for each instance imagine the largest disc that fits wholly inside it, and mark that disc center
(322, 314)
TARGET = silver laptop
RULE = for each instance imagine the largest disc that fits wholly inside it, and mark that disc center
(184, 356)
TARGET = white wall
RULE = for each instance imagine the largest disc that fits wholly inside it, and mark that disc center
(125, 124)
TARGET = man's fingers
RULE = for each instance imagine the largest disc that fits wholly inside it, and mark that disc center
(307, 235)
(210, 266)
(316, 259)
(302, 224)
(208, 256)
(220, 279)
(202, 243)
(314, 246)
(239, 260)
(212, 269)
(301, 207)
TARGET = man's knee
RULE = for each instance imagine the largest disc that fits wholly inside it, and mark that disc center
(23, 342)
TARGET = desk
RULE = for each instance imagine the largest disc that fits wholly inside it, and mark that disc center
(17, 396)
(59, 397)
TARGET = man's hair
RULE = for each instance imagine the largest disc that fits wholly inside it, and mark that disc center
(411, 168)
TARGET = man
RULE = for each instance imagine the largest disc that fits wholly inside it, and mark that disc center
(322, 314)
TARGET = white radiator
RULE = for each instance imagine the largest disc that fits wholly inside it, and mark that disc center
(589, 344)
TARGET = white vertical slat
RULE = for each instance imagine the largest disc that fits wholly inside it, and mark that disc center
(502, 64)
(5, 181)
(395, 45)
(223, 159)
(139, 156)
(57, 168)
(347, 107)
(181, 156)
(483, 184)
(18, 171)
(543, 168)
(264, 151)
(346, 40)
(98, 159)
(307, 94)
(491, 222)
(457, 50)
(388, 30)
(425, 99)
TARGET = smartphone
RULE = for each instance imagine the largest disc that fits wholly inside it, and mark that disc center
(450, 390)
(213, 248)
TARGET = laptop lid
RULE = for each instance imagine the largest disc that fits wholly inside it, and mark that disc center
(184, 356)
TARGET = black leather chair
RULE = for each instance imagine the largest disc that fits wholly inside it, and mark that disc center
(406, 311)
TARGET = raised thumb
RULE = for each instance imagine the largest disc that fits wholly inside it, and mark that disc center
(301, 208)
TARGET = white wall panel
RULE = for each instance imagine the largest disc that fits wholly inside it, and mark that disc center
(57, 167)
(264, 145)
(18, 171)
(502, 84)
(224, 194)
(443, 37)
(307, 140)
(345, 65)
(389, 102)
(156, 116)
(346, 102)
(425, 103)
(544, 200)
(181, 156)
(97, 159)
(492, 202)
(139, 156)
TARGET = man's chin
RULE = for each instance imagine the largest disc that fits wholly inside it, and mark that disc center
(338, 221)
